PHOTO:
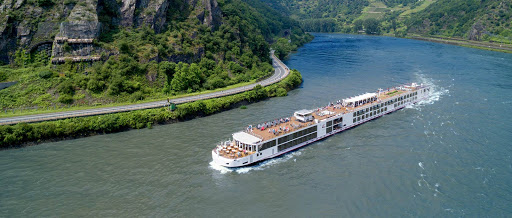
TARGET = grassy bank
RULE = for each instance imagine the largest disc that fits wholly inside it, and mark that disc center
(49, 109)
(33, 133)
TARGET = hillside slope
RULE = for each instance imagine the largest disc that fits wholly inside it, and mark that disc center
(471, 19)
(108, 51)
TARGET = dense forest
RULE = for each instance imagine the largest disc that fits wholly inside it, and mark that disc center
(474, 19)
(145, 50)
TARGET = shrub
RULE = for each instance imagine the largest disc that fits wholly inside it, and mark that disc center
(137, 96)
(45, 74)
(66, 88)
(95, 85)
(66, 99)
(44, 2)
(281, 92)
(69, 2)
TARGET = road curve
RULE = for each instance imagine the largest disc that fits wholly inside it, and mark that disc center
(281, 72)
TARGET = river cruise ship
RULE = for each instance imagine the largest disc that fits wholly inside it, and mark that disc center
(279, 136)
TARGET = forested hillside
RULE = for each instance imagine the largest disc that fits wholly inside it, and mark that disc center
(472, 19)
(90, 52)
(469, 19)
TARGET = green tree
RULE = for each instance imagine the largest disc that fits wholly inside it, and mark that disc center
(168, 68)
(372, 26)
(358, 25)
(282, 47)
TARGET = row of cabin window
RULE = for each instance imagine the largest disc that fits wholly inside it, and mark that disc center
(406, 96)
(363, 111)
(338, 120)
(329, 129)
(402, 102)
(267, 145)
(373, 113)
(296, 135)
(296, 142)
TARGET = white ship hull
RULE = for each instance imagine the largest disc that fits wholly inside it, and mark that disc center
(321, 132)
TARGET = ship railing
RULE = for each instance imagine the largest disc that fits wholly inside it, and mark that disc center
(253, 134)
(271, 124)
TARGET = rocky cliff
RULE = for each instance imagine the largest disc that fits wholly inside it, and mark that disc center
(72, 25)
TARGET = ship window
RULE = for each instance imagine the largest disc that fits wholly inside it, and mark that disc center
(358, 118)
(367, 109)
(354, 120)
(367, 115)
(354, 114)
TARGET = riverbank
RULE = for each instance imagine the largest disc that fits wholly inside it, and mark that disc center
(491, 46)
(23, 134)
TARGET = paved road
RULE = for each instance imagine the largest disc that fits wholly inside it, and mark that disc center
(281, 72)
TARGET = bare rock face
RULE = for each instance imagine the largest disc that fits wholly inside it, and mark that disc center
(212, 13)
(23, 31)
(476, 31)
(80, 29)
(6, 6)
(73, 26)
(209, 12)
(154, 14)
(18, 4)
(128, 12)
(85, 11)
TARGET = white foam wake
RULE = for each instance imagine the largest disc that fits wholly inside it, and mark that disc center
(436, 92)
(259, 166)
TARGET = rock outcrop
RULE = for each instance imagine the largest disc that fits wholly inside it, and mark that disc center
(80, 20)
(127, 12)
(154, 14)
(76, 35)
(212, 14)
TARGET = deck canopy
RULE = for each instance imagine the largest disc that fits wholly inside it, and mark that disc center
(303, 112)
(353, 100)
(304, 115)
(246, 138)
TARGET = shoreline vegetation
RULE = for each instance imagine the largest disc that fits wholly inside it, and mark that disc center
(491, 46)
(23, 134)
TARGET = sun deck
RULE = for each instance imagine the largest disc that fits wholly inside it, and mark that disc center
(233, 152)
(282, 126)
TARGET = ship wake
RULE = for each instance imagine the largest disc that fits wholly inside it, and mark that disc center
(435, 95)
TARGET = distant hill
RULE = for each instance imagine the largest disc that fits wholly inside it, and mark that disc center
(470, 19)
